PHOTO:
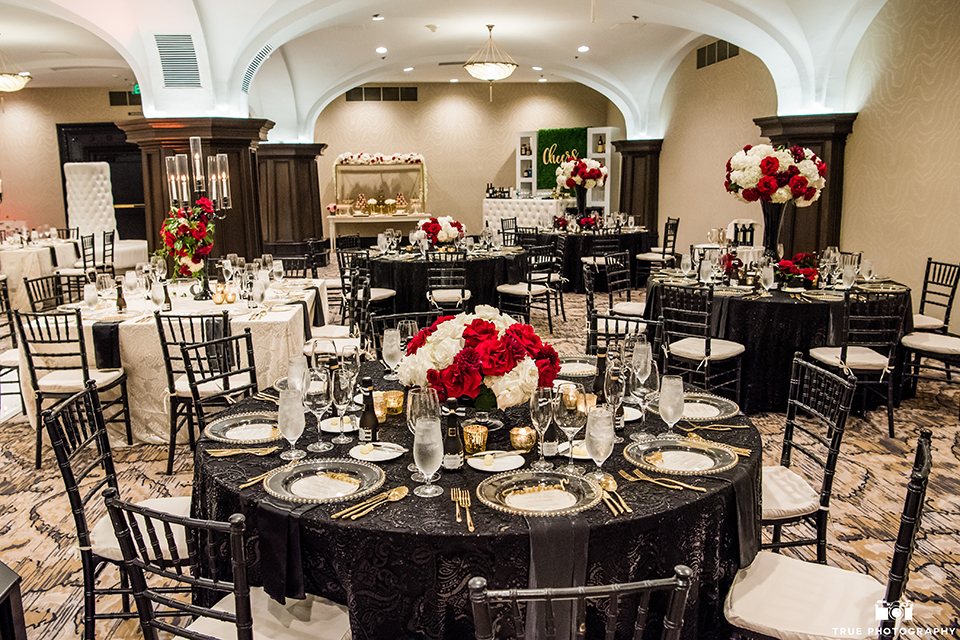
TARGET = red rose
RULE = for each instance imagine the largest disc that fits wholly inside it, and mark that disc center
(821, 168)
(785, 265)
(798, 186)
(200, 232)
(459, 381)
(479, 331)
(417, 341)
(729, 168)
(205, 205)
(810, 194)
(184, 271)
(169, 240)
(769, 166)
(181, 213)
(204, 249)
(571, 183)
(747, 148)
(434, 381)
(767, 185)
(750, 195)
(548, 364)
(809, 273)
(495, 358)
(439, 321)
(196, 258)
(526, 336)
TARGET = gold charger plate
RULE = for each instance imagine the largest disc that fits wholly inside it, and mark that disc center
(700, 407)
(679, 456)
(539, 493)
(245, 428)
(324, 480)
(879, 286)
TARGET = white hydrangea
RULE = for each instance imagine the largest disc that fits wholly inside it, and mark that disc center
(515, 386)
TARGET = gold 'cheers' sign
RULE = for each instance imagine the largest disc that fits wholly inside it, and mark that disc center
(550, 155)
(557, 146)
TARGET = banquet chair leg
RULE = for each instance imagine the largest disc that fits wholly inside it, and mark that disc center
(126, 412)
(125, 586)
(822, 536)
(171, 447)
(777, 531)
(89, 601)
(39, 407)
(890, 404)
(190, 428)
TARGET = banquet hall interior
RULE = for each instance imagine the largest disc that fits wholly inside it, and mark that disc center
(664, 95)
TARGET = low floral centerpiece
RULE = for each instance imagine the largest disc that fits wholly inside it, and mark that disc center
(484, 356)
(581, 174)
(440, 230)
(187, 235)
(560, 222)
(801, 271)
(587, 223)
(775, 177)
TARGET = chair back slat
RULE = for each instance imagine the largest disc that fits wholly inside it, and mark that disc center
(686, 313)
(447, 271)
(108, 244)
(348, 241)
(44, 292)
(669, 241)
(88, 252)
(604, 244)
(297, 267)
(610, 331)
(224, 367)
(940, 281)
(873, 319)
(613, 612)
(8, 331)
(52, 342)
(190, 329)
(643, 610)
(508, 227)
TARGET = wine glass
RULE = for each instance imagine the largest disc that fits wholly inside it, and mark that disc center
(570, 412)
(391, 352)
(428, 454)
(266, 262)
(866, 269)
(780, 251)
(318, 399)
(156, 295)
(382, 242)
(671, 400)
(766, 278)
(599, 441)
(258, 292)
(686, 264)
(408, 329)
(227, 268)
(849, 275)
(278, 271)
(349, 357)
(342, 395)
(291, 420)
(614, 384)
(420, 402)
(706, 270)
(160, 268)
(541, 413)
(645, 389)
(104, 285)
(90, 297)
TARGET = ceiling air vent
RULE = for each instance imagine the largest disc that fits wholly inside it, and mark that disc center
(258, 60)
(716, 52)
(178, 59)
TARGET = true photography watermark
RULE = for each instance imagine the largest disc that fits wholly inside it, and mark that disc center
(901, 613)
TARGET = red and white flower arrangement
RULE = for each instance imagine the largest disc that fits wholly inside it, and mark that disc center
(485, 355)
(439, 230)
(379, 158)
(577, 172)
(762, 172)
(188, 236)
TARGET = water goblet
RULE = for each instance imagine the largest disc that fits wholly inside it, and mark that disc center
(105, 285)
(391, 352)
(291, 421)
(599, 441)
(342, 395)
(408, 329)
(849, 275)
(278, 272)
(226, 267)
(350, 359)
(866, 269)
(382, 242)
(266, 262)
(161, 269)
(156, 295)
(420, 402)
(671, 400)
(90, 297)
(646, 387)
(318, 399)
(570, 412)
(541, 413)
(614, 385)
(766, 277)
(258, 293)
(428, 454)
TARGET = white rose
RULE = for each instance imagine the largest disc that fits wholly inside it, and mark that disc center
(739, 161)
(413, 369)
(808, 170)
(515, 386)
(785, 158)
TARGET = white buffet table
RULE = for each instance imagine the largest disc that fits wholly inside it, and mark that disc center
(529, 212)
(382, 222)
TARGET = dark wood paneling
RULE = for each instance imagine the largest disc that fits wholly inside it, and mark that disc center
(290, 207)
(640, 179)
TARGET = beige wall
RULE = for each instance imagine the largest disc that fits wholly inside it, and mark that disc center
(467, 141)
(708, 116)
(29, 154)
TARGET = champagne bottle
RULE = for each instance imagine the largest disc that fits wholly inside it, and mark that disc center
(121, 303)
(600, 378)
(452, 442)
(368, 419)
(550, 440)
(167, 302)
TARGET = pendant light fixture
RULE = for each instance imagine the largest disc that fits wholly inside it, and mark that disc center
(490, 63)
(10, 78)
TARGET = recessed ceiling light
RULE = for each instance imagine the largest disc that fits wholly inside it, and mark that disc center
(408, 69)
(537, 68)
(377, 16)
(583, 49)
(381, 49)
(542, 80)
(454, 80)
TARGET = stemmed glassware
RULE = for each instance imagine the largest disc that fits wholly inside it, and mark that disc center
(643, 390)
(614, 385)
(686, 265)
(266, 264)
(866, 269)
(291, 420)
(408, 329)
(428, 453)
(599, 440)
(570, 412)
(278, 271)
(317, 399)
(671, 400)
(104, 285)
(227, 268)
(420, 402)
(849, 276)
(342, 396)
(90, 297)
(156, 295)
(350, 359)
(391, 352)
(541, 413)
(766, 277)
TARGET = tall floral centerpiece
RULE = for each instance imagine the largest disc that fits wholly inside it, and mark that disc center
(579, 174)
(775, 177)
(187, 234)
(485, 356)
(440, 230)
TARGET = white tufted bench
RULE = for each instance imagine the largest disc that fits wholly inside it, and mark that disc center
(529, 212)
(90, 207)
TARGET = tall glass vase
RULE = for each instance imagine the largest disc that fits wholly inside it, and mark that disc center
(204, 292)
(581, 201)
(772, 217)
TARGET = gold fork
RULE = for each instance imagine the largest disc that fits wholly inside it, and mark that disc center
(713, 427)
(683, 485)
(740, 451)
(455, 496)
(465, 503)
(629, 478)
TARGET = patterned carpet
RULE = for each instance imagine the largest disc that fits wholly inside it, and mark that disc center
(38, 539)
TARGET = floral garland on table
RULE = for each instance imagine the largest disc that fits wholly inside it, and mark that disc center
(188, 237)
(578, 172)
(439, 230)
(781, 174)
(803, 265)
(379, 158)
(485, 355)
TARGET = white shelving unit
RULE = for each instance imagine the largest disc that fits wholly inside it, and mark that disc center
(601, 196)
(527, 164)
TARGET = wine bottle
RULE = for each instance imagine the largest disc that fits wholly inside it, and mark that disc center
(167, 302)
(121, 303)
(600, 378)
(452, 442)
(368, 419)
(550, 440)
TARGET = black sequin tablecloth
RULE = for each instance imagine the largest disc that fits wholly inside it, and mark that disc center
(403, 570)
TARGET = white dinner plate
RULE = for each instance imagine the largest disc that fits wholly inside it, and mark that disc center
(330, 425)
(579, 450)
(794, 290)
(630, 414)
(377, 455)
(504, 463)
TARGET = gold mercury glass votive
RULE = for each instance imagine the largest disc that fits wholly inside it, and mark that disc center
(523, 438)
(474, 438)
(394, 402)
(379, 406)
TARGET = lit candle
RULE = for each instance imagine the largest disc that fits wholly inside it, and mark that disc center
(223, 170)
(183, 176)
(172, 180)
(195, 152)
(213, 182)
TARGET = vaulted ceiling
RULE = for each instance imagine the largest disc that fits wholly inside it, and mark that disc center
(287, 59)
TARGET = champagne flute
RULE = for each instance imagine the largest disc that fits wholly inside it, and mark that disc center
(645, 390)
(599, 441)
(318, 399)
(614, 384)
(391, 352)
(541, 413)
(291, 420)
(570, 412)
(671, 400)
(349, 357)
(278, 271)
(342, 394)
(428, 454)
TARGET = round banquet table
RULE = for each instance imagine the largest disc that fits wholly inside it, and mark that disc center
(403, 569)
(406, 274)
(772, 330)
(581, 244)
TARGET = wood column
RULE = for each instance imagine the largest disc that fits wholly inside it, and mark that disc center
(640, 180)
(158, 138)
(290, 207)
(815, 227)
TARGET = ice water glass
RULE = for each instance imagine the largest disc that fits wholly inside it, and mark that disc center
(686, 264)
(766, 277)
(278, 271)
(866, 269)
(391, 352)
(292, 421)
(671, 400)
(849, 275)
(318, 399)
(427, 454)
(570, 412)
(156, 295)
(599, 440)
(541, 413)
(90, 298)
(420, 402)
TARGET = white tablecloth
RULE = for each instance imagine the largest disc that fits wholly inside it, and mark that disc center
(277, 336)
(32, 262)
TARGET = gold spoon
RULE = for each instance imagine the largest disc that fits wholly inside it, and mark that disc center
(609, 485)
(395, 494)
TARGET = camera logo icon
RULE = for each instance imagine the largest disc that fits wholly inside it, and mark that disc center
(902, 610)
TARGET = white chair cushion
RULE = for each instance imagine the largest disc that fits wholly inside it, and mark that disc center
(629, 308)
(327, 345)
(314, 618)
(786, 495)
(333, 283)
(75, 271)
(693, 348)
(182, 386)
(926, 323)
(3, 277)
(377, 294)
(330, 331)
(10, 358)
(545, 277)
(594, 260)
(521, 289)
(104, 543)
(442, 296)
(857, 358)
(619, 326)
(71, 380)
(933, 342)
(652, 257)
(786, 598)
